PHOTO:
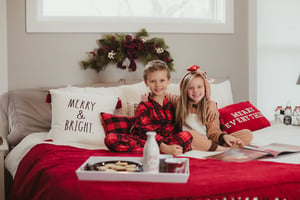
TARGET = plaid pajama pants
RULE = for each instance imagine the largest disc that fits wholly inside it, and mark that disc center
(133, 143)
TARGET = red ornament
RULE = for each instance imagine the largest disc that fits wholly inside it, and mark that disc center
(193, 68)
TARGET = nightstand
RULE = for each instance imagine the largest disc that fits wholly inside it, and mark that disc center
(3, 149)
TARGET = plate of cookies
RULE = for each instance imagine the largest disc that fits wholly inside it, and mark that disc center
(119, 168)
(115, 166)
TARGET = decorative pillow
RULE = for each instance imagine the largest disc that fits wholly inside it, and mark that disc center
(116, 123)
(75, 119)
(240, 116)
(27, 113)
(108, 91)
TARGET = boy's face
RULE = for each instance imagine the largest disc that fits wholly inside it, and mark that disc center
(158, 82)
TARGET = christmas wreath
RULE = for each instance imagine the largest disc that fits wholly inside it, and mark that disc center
(116, 49)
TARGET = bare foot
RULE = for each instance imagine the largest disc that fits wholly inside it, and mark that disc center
(171, 149)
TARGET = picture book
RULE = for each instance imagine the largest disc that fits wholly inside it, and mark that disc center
(252, 152)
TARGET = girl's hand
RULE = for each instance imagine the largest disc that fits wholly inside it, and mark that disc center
(144, 97)
(232, 141)
(212, 111)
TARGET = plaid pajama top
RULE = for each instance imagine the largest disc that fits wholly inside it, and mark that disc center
(151, 116)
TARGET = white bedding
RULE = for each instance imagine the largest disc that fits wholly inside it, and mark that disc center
(277, 133)
(18, 152)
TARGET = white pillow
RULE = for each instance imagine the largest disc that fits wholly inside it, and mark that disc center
(221, 93)
(109, 91)
(75, 118)
(173, 88)
(130, 95)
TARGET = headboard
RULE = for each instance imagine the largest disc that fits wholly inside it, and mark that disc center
(24, 111)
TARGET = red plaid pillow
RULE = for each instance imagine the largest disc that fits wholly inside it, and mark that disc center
(116, 123)
(240, 116)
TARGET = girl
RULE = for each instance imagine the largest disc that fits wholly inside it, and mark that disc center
(192, 109)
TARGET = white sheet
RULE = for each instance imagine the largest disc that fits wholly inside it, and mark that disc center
(18, 152)
(278, 133)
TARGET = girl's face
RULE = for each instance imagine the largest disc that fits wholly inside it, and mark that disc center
(196, 90)
(158, 82)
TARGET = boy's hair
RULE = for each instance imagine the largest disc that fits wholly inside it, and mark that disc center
(156, 65)
(182, 109)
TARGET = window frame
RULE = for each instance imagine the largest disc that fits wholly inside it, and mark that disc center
(35, 22)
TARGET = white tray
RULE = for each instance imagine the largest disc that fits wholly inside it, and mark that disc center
(83, 174)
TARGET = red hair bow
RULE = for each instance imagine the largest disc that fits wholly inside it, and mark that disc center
(193, 68)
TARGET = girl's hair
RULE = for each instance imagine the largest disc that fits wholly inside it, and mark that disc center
(156, 65)
(182, 109)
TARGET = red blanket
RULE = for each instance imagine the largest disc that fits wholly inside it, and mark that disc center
(48, 172)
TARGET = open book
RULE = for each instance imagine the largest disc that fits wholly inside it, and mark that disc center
(252, 152)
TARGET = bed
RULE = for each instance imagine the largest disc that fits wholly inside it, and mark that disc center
(43, 166)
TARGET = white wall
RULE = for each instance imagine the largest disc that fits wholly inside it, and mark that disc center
(252, 45)
(3, 48)
(278, 54)
(41, 59)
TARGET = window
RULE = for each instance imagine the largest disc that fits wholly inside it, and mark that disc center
(179, 16)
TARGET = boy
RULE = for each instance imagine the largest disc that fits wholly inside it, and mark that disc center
(157, 115)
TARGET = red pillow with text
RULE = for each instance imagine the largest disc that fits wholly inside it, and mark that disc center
(240, 116)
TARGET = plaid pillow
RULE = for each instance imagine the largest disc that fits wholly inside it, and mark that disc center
(116, 123)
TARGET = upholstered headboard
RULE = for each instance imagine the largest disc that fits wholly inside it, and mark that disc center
(25, 111)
